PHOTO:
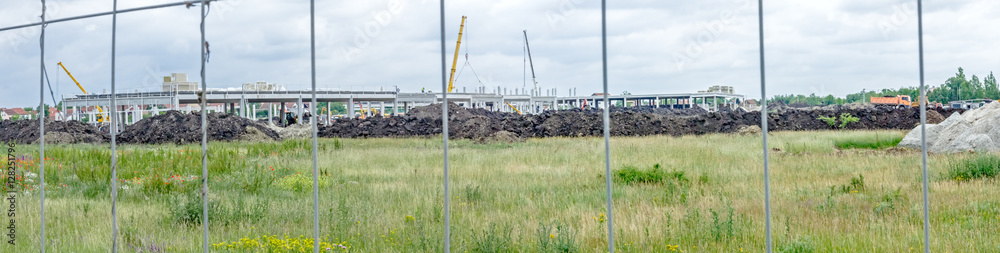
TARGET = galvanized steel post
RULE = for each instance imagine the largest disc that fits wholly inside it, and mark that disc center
(763, 127)
(607, 125)
(923, 127)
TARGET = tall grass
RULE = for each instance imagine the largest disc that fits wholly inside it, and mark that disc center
(976, 167)
(542, 195)
(875, 141)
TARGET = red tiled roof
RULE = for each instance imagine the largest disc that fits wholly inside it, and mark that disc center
(20, 111)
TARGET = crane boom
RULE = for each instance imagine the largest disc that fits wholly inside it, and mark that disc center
(451, 80)
(529, 59)
(100, 117)
(512, 107)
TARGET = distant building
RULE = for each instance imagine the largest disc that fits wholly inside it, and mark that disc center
(262, 86)
(17, 114)
(719, 89)
(178, 82)
(970, 104)
(5, 113)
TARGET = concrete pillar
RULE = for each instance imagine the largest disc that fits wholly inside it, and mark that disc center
(350, 107)
(382, 105)
(281, 114)
(312, 111)
(301, 111)
(395, 107)
(270, 113)
(329, 113)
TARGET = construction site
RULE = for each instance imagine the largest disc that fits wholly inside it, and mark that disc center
(487, 167)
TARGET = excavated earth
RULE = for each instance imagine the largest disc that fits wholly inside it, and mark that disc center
(177, 127)
(56, 132)
(479, 124)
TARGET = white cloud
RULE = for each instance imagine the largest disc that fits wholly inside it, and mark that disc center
(836, 47)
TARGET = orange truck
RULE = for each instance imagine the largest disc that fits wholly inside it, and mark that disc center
(901, 101)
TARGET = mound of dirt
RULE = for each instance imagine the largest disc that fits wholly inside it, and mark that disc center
(753, 130)
(293, 131)
(56, 132)
(177, 127)
(480, 124)
(975, 130)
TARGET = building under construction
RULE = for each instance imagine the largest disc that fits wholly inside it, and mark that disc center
(177, 93)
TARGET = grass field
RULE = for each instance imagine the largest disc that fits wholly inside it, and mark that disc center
(691, 194)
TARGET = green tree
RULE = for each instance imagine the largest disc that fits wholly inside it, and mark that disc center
(977, 90)
(990, 86)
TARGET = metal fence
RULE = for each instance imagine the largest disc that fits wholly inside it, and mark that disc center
(204, 4)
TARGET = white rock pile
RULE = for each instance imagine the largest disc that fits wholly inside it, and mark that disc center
(976, 130)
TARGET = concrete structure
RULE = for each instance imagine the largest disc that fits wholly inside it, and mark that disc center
(178, 82)
(275, 99)
(970, 104)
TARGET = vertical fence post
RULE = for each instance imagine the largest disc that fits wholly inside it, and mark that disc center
(204, 135)
(41, 130)
(763, 127)
(607, 126)
(923, 126)
(114, 133)
(315, 131)
(444, 131)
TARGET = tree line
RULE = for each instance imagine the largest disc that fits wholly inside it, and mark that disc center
(955, 88)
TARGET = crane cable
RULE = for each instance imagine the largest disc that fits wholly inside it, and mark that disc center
(467, 63)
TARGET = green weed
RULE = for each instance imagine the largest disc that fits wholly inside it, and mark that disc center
(977, 167)
(869, 142)
(493, 239)
(556, 237)
(799, 245)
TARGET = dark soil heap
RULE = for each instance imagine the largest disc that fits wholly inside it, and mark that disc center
(177, 127)
(26, 132)
(480, 124)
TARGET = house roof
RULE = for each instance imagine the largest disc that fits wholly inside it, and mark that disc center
(20, 111)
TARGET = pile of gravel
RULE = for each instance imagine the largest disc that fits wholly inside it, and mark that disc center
(974, 130)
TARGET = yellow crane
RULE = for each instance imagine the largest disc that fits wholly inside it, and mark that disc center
(100, 116)
(512, 107)
(451, 80)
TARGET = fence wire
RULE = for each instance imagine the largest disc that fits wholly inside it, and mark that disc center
(444, 112)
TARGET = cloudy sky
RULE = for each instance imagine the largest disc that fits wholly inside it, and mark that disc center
(824, 47)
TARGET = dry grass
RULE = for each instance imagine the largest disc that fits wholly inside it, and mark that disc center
(377, 185)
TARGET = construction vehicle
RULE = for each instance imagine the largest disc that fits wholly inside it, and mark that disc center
(929, 105)
(898, 101)
(451, 81)
(515, 108)
(362, 107)
(100, 115)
